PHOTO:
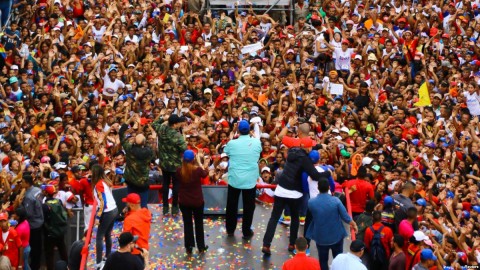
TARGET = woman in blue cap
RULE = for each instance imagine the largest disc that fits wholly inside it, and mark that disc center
(190, 198)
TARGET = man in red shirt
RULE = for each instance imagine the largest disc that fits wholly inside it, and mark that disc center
(360, 192)
(84, 189)
(10, 243)
(301, 260)
(137, 221)
(386, 236)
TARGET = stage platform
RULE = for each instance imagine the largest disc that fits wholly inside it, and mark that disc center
(167, 248)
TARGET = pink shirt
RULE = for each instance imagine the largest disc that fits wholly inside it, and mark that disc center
(405, 229)
(23, 230)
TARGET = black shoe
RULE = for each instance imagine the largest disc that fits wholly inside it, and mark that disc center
(266, 250)
(248, 236)
(166, 210)
(189, 251)
(202, 250)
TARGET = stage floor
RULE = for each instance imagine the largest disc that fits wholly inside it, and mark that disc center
(167, 247)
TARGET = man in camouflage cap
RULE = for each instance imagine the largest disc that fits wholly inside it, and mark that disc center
(171, 146)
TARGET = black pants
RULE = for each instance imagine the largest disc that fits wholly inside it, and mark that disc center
(169, 177)
(248, 196)
(36, 248)
(197, 214)
(50, 244)
(278, 206)
(308, 221)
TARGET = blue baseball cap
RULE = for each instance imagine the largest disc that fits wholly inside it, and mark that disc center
(188, 155)
(119, 171)
(54, 175)
(476, 208)
(388, 200)
(244, 127)
(465, 214)
(427, 254)
(314, 156)
(421, 202)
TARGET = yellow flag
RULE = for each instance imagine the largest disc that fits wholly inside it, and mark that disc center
(423, 96)
(166, 17)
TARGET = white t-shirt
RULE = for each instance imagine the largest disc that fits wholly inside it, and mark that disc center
(99, 33)
(343, 58)
(265, 26)
(473, 103)
(109, 87)
(313, 185)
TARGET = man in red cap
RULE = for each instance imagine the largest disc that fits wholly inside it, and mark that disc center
(10, 243)
(137, 221)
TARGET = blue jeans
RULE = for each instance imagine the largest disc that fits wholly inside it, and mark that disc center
(26, 253)
(143, 195)
(324, 251)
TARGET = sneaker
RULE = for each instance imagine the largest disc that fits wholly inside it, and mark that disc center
(266, 250)
(307, 252)
(285, 220)
(99, 266)
(166, 210)
(291, 248)
(175, 210)
(302, 221)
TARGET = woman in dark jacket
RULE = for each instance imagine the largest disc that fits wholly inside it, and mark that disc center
(190, 198)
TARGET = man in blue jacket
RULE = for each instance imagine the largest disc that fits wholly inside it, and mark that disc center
(243, 154)
(326, 228)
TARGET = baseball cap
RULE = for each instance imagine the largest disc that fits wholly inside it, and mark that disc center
(188, 155)
(388, 200)
(13, 80)
(314, 156)
(3, 216)
(43, 147)
(244, 127)
(207, 91)
(132, 198)
(126, 238)
(476, 208)
(357, 246)
(223, 155)
(174, 119)
(420, 236)
(54, 175)
(427, 254)
(60, 165)
(421, 202)
(344, 129)
(265, 169)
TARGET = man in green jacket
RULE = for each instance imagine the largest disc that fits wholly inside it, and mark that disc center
(171, 146)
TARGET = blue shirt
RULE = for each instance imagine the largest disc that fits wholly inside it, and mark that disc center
(243, 154)
(328, 213)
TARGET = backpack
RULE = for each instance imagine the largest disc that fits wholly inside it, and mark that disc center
(56, 222)
(377, 251)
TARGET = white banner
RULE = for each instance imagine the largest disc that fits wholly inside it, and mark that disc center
(252, 48)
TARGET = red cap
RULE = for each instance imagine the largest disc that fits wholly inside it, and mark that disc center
(224, 123)
(361, 6)
(103, 103)
(132, 198)
(3, 216)
(5, 161)
(50, 189)
(289, 26)
(433, 31)
(402, 20)
(452, 4)
(345, 41)
(43, 147)
(445, 36)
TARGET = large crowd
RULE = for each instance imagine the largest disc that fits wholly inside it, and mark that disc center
(103, 93)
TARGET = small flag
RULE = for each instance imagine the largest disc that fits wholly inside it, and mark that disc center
(2, 51)
(166, 17)
(424, 97)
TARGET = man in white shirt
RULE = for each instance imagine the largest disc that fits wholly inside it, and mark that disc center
(350, 260)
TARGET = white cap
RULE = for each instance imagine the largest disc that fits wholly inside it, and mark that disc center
(345, 129)
(207, 90)
(265, 135)
(60, 165)
(338, 138)
(223, 155)
(265, 169)
(335, 130)
(358, 56)
(367, 160)
(14, 67)
(420, 236)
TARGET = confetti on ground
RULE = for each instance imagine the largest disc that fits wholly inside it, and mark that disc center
(167, 247)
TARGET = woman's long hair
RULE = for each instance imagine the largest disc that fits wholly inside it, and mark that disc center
(186, 171)
(98, 173)
(21, 213)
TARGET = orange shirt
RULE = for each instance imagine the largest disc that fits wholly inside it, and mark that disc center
(138, 223)
(300, 262)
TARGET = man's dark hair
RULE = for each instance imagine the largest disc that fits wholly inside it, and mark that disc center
(301, 244)
(370, 206)
(323, 185)
(28, 179)
(398, 239)
(362, 172)
(412, 212)
(377, 216)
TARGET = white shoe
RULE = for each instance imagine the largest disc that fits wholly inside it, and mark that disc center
(99, 266)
